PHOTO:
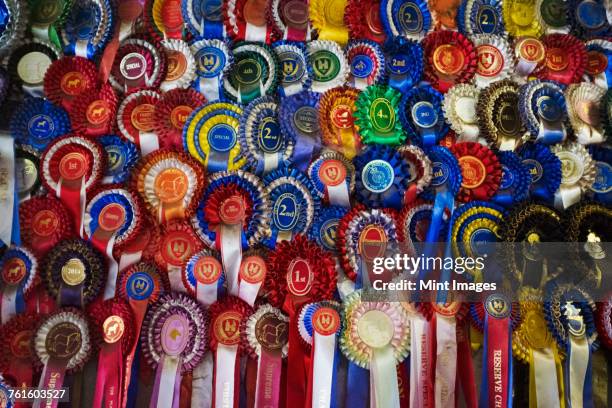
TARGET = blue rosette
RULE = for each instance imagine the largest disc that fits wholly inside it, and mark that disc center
(367, 63)
(325, 228)
(89, 27)
(403, 62)
(599, 62)
(382, 177)
(305, 322)
(121, 157)
(204, 18)
(601, 189)
(405, 18)
(588, 18)
(414, 221)
(515, 181)
(18, 269)
(421, 114)
(446, 173)
(480, 17)
(545, 170)
(295, 72)
(213, 60)
(189, 273)
(37, 122)
(542, 109)
(299, 121)
(113, 196)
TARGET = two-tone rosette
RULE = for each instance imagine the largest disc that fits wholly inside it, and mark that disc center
(552, 16)
(499, 117)
(28, 63)
(577, 173)
(267, 335)
(495, 59)
(44, 222)
(228, 319)
(376, 336)
(69, 77)
(480, 170)
(295, 73)
(203, 18)
(529, 53)
(565, 60)
(93, 113)
(169, 183)
(171, 113)
(589, 19)
(88, 28)
(480, 17)
(18, 363)
(336, 121)
(174, 340)
(18, 269)
(255, 72)
(545, 169)
(421, 116)
(410, 19)
(70, 167)
(520, 18)
(598, 67)
(213, 60)
(63, 345)
(404, 63)
(515, 180)
(46, 19)
(333, 176)
(451, 59)
(604, 321)
(601, 188)
(329, 64)
(328, 20)
(420, 171)
(37, 122)
(135, 120)
(542, 107)
(112, 325)
(290, 19)
(300, 121)
(180, 65)
(367, 63)
(27, 173)
(376, 116)
(363, 20)
(204, 278)
(382, 177)
(162, 19)
(246, 20)
(583, 110)
(459, 107)
(121, 157)
(139, 63)
(324, 230)
(261, 139)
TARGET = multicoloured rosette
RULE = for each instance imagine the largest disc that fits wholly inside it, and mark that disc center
(333, 177)
(44, 222)
(577, 173)
(27, 172)
(552, 16)
(174, 341)
(121, 157)
(336, 121)
(88, 28)
(328, 19)
(421, 116)
(420, 171)
(135, 120)
(330, 67)
(70, 167)
(376, 116)
(363, 20)
(261, 139)
(300, 121)
(246, 20)
(37, 122)
(480, 17)
(324, 230)
(589, 18)
(213, 60)
(376, 336)
(566, 59)
(602, 186)
(290, 19)
(530, 54)
(18, 269)
(451, 59)
(163, 19)
(405, 18)
(499, 115)
(515, 180)
(604, 321)
(69, 77)
(181, 65)
(255, 72)
(545, 169)
(413, 224)
(139, 63)
(170, 184)
(296, 74)
(459, 107)
(93, 113)
(46, 19)
(583, 110)
(203, 18)
(18, 362)
(367, 63)
(28, 63)
(171, 113)
(204, 278)
(480, 169)
(495, 59)
(542, 107)
(404, 63)
(520, 18)
(597, 70)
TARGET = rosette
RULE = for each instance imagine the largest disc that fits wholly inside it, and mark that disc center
(545, 170)
(376, 337)
(599, 53)
(336, 121)
(328, 19)
(577, 173)
(129, 15)
(376, 116)
(135, 120)
(480, 170)
(68, 77)
(330, 67)
(413, 224)
(139, 63)
(15, 22)
(47, 18)
(18, 362)
(18, 269)
(171, 113)
(602, 186)
(451, 59)
(37, 122)
(174, 341)
(181, 65)
(420, 171)
(367, 63)
(515, 180)
(169, 183)
(495, 60)
(121, 157)
(70, 167)
(542, 107)
(93, 113)
(480, 17)
(213, 60)
(254, 72)
(27, 173)
(88, 28)
(382, 177)
(583, 109)
(589, 18)
(333, 177)
(604, 321)
(296, 74)
(459, 107)
(406, 18)
(261, 139)
(246, 20)
(552, 16)
(63, 345)
(163, 19)
(499, 115)
(420, 113)
(289, 18)
(530, 54)
(520, 18)
(204, 278)
(363, 20)
(252, 275)
(204, 18)
(324, 230)
(28, 63)
(300, 121)
(44, 223)
(566, 59)
(404, 63)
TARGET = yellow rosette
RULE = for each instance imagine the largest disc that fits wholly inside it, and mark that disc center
(336, 121)
(205, 138)
(327, 18)
(520, 18)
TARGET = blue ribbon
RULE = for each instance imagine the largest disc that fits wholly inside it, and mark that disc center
(204, 18)
(37, 122)
(297, 69)
(133, 387)
(4, 16)
(16, 231)
(190, 269)
(601, 187)
(514, 186)
(545, 170)
(588, 18)
(608, 54)
(111, 198)
(82, 26)
(421, 115)
(12, 253)
(484, 16)
(325, 225)
(121, 157)
(547, 104)
(410, 18)
(404, 62)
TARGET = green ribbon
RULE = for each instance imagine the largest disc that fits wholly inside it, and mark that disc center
(377, 116)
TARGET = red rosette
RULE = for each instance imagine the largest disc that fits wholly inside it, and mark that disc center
(160, 280)
(566, 59)
(100, 314)
(44, 222)
(136, 114)
(234, 310)
(138, 64)
(420, 166)
(451, 59)
(18, 361)
(168, 14)
(604, 321)
(147, 241)
(449, 140)
(289, 19)
(179, 242)
(480, 170)
(479, 314)
(456, 309)
(93, 113)
(212, 210)
(239, 14)
(362, 17)
(170, 115)
(69, 77)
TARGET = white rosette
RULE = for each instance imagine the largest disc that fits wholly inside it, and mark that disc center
(548, 29)
(184, 80)
(598, 79)
(578, 173)
(495, 59)
(583, 101)
(459, 108)
(151, 80)
(341, 77)
(150, 193)
(273, 75)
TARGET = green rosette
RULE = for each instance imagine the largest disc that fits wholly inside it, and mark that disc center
(377, 116)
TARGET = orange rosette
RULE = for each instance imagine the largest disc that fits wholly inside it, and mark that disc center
(69, 77)
(44, 222)
(93, 113)
(444, 13)
(171, 113)
(135, 119)
(451, 59)
(480, 169)
(362, 17)
(565, 61)
(336, 108)
(17, 361)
